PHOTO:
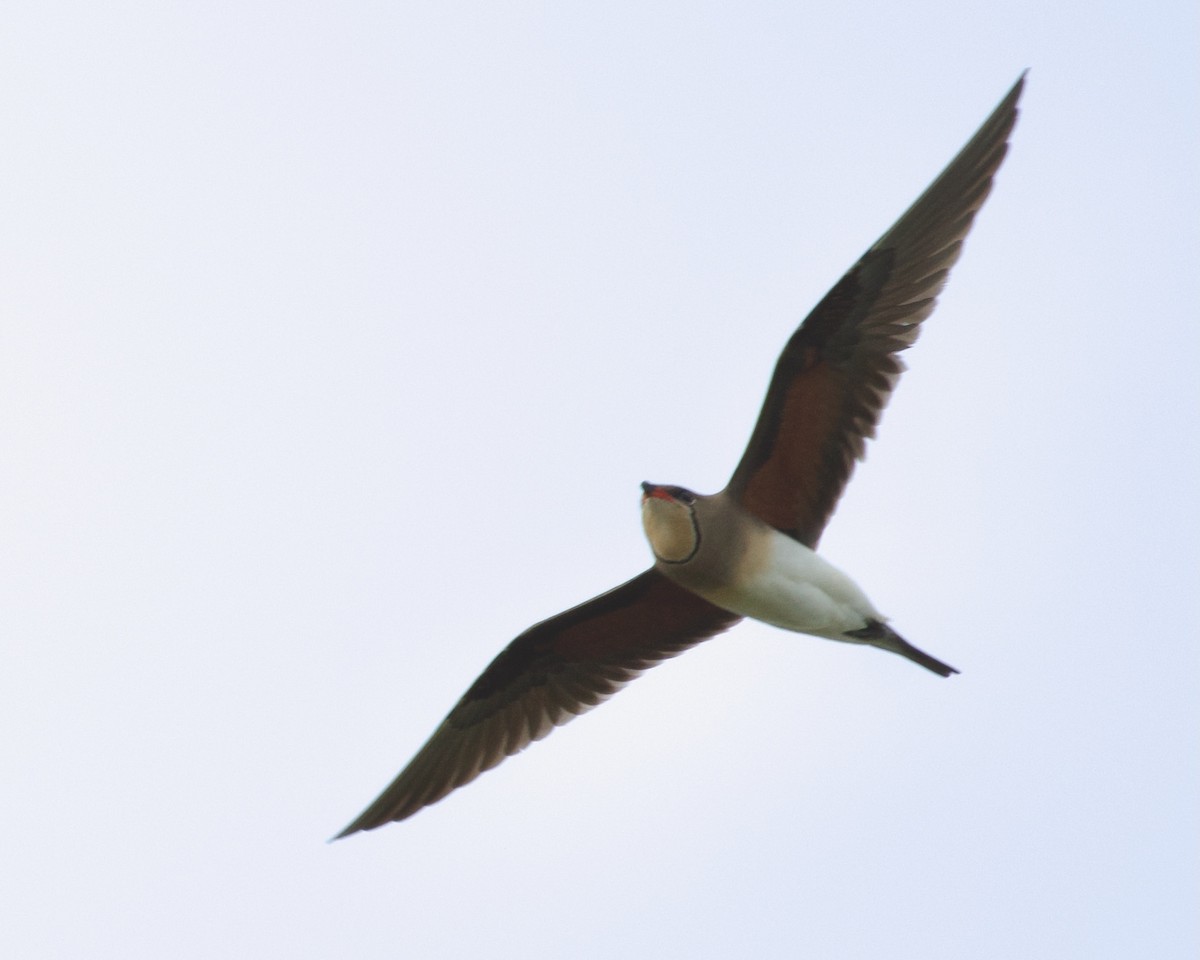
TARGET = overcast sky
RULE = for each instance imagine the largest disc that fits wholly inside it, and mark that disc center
(334, 342)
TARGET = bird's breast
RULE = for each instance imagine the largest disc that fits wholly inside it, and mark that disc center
(779, 581)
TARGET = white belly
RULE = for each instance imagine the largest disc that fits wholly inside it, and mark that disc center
(786, 584)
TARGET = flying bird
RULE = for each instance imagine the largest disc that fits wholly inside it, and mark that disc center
(748, 551)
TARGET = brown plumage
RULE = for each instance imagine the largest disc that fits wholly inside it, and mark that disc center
(838, 369)
(552, 672)
(824, 400)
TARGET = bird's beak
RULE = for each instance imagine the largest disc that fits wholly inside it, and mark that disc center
(653, 490)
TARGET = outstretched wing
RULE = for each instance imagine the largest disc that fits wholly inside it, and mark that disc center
(551, 673)
(838, 370)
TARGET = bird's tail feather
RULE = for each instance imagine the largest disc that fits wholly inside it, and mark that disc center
(879, 634)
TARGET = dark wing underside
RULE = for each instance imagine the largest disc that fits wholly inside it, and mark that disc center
(838, 370)
(551, 673)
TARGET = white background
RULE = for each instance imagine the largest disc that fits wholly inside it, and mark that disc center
(334, 342)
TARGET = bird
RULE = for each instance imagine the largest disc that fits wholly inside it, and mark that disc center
(749, 550)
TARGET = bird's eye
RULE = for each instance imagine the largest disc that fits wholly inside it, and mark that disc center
(683, 496)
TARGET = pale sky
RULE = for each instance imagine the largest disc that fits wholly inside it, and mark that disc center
(335, 340)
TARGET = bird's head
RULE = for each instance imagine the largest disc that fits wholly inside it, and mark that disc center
(669, 518)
